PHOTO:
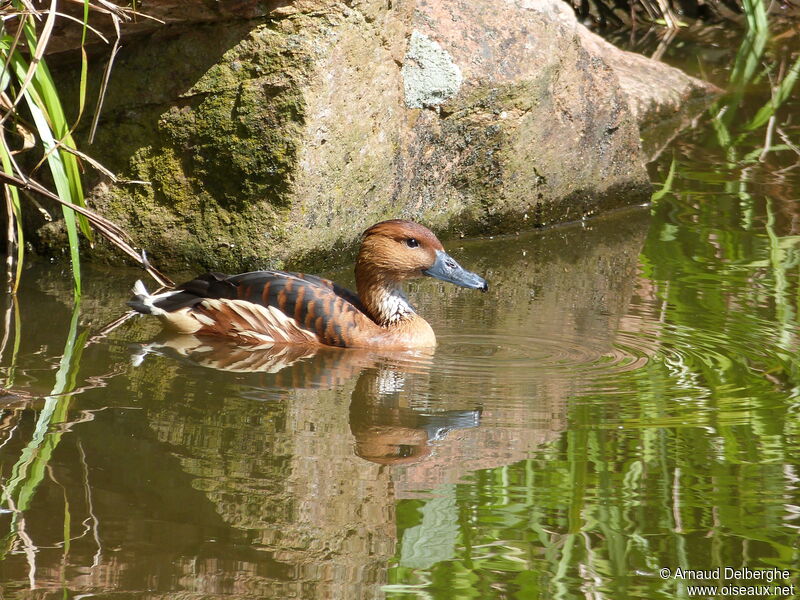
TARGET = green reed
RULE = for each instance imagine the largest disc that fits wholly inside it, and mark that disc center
(34, 123)
(26, 80)
(751, 66)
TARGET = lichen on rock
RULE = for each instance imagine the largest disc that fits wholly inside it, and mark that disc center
(430, 77)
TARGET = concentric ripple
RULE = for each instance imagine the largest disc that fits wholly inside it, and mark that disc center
(517, 358)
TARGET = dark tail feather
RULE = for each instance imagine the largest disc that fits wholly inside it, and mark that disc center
(142, 301)
(157, 304)
(137, 304)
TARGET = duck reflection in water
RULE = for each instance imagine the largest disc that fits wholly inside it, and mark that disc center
(388, 429)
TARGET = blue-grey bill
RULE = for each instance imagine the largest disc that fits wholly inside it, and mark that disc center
(447, 269)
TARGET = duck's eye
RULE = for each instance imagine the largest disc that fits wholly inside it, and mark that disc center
(412, 243)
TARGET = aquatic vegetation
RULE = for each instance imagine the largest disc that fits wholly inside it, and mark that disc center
(765, 55)
(22, 52)
(35, 130)
(671, 14)
(751, 66)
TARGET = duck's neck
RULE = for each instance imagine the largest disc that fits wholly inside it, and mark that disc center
(383, 299)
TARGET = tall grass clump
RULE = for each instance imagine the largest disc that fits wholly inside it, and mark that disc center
(752, 66)
(669, 13)
(39, 157)
(34, 123)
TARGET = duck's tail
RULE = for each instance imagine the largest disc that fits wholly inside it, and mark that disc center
(146, 303)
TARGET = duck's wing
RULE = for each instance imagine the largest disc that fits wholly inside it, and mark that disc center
(262, 307)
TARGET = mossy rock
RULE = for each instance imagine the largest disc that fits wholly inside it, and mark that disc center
(273, 143)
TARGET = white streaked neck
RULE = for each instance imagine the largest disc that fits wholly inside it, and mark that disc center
(391, 306)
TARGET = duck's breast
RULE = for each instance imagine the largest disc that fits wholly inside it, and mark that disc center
(413, 332)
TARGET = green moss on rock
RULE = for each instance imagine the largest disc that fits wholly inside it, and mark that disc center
(276, 142)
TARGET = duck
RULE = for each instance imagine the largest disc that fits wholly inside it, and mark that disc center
(268, 308)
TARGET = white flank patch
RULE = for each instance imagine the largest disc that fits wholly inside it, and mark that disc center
(266, 324)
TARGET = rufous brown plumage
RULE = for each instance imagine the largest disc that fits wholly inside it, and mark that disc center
(265, 308)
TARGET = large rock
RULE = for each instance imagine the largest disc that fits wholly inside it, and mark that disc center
(275, 139)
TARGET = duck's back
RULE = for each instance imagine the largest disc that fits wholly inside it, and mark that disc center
(263, 307)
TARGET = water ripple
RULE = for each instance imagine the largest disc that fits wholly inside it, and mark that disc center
(527, 357)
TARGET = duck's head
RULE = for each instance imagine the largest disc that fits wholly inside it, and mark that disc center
(396, 250)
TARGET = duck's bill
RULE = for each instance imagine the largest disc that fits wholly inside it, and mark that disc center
(447, 269)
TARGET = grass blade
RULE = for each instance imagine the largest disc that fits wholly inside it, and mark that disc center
(30, 32)
(667, 187)
(781, 94)
(63, 187)
(14, 212)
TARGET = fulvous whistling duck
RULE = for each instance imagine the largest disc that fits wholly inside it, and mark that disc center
(273, 307)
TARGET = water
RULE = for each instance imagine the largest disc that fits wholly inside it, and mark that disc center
(624, 400)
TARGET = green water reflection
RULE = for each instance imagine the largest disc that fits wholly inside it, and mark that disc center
(624, 400)
(686, 462)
